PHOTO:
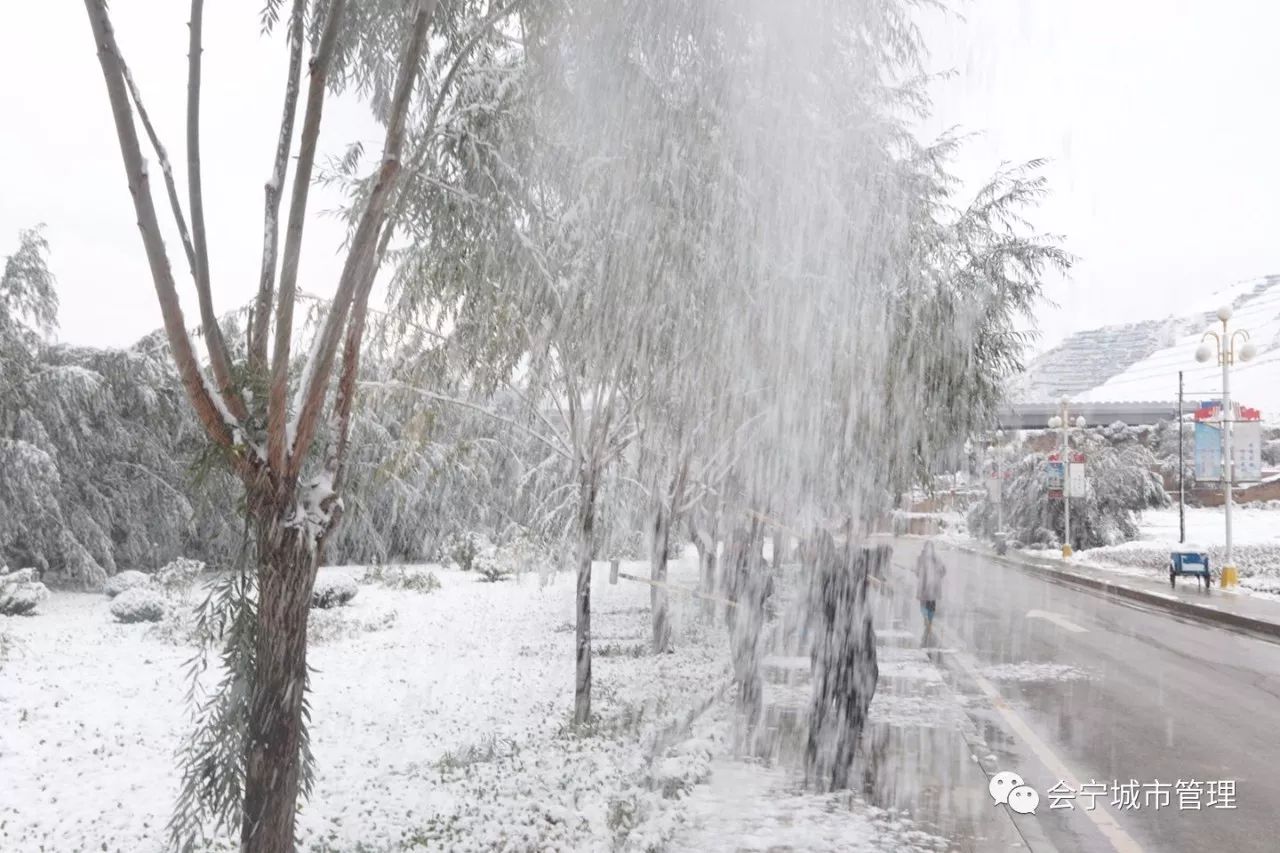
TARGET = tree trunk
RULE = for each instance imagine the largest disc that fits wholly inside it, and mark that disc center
(586, 531)
(706, 544)
(286, 575)
(659, 600)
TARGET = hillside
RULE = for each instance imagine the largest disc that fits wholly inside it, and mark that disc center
(1140, 361)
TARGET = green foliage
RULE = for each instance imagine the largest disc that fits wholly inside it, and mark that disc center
(212, 758)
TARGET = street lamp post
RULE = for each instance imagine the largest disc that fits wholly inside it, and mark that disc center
(1225, 348)
(1063, 421)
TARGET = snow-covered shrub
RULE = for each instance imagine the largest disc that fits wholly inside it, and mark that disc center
(463, 549)
(177, 577)
(329, 626)
(1122, 481)
(333, 589)
(140, 604)
(1271, 451)
(412, 578)
(1164, 445)
(683, 767)
(177, 628)
(630, 545)
(20, 592)
(491, 568)
(125, 580)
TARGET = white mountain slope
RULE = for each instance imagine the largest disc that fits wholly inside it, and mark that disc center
(1140, 361)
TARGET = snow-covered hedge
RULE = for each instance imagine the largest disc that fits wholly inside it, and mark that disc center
(125, 580)
(412, 578)
(333, 589)
(140, 604)
(1258, 565)
(20, 592)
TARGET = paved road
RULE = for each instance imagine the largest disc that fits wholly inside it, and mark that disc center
(1110, 692)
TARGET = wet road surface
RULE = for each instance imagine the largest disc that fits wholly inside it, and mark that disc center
(1110, 693)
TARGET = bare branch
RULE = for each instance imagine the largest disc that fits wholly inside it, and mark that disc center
(274, 190)
(277, 414)
(213, 340)
(355, 274)
(217, 421)
(557, 446)
(342, 404)
(165, 167)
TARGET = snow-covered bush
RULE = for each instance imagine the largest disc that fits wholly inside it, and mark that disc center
(463, 549)
(20, 592)
(140, 604)
(1122, 481)
(125, 580)
(333, 589)
(491, 568)
(412, 578)
(328, 626)
(1271, 451)
(177, 577)
(178, 627)
(1164, 445)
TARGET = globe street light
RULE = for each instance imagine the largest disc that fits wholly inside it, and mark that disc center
(1224, 346)
(1064, 422)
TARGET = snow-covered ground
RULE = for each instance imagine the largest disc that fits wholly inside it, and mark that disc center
(1255, 544)
(439, 722)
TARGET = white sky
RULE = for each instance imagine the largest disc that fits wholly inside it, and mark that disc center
(62, 162)
(1160, 117)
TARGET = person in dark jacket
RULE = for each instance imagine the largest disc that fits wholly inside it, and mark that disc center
(843, 660)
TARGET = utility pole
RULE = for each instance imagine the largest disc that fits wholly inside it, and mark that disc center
(1066, 480)
(1225, 348)
(1182, 472)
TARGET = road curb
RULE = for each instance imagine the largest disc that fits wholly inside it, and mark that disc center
(1173, 604)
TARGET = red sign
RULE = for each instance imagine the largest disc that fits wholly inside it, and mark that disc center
(1211, 411)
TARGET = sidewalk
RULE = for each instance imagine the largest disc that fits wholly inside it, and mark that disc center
(1230, 608)
(920, 785)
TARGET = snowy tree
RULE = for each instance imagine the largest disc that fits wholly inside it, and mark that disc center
(1122, 481)
(292, 482)
(700, 261)
(96, 447)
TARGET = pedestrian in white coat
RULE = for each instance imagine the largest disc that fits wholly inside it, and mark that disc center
(930, 571)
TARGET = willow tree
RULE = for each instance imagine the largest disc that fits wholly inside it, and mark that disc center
(268, 436)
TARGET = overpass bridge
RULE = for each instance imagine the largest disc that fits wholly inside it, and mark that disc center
(1138, 413)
